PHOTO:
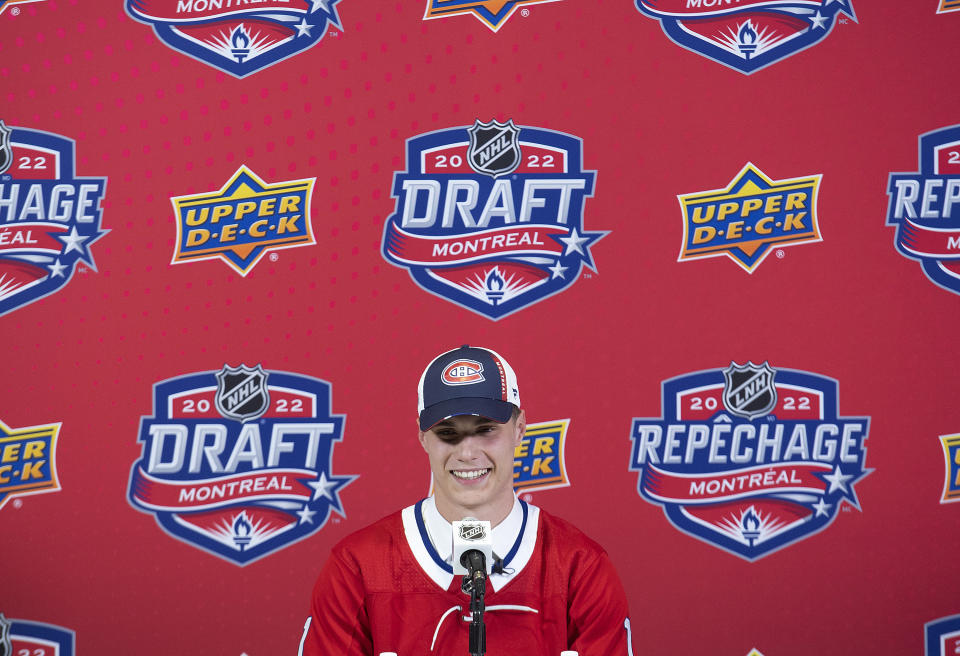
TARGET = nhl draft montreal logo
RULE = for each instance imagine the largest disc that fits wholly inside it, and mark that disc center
(236, 36)
(238, 462)
(925, 208)
(492, 13)
(942, 636)
(49, 216)
(751, 35)
(490, 216)
(749, 217)
(243, 220)
(750, 459)
(20, 637)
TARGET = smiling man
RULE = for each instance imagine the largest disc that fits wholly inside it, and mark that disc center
(390, 587)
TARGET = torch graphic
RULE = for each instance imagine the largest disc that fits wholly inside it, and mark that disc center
(240, 41)
(241, 532)
(494, 286)
(747, 40)
(750, 527)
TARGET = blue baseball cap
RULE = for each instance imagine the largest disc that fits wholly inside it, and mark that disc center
(469, 380)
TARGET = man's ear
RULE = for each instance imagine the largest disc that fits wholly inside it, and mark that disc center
(421, 435)
(521, 425)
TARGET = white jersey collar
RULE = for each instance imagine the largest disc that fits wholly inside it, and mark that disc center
(430, 537)
(504, 535)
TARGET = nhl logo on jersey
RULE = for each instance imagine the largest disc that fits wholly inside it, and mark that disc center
(748, 218)
(25, 637)
(925, 208)
(490, 216)
(942, 636)
(750, 459)
(49, 217)
(751, 35)
(237, 38)
(748, 391)
(492, 14)
(28, 461)
(242, 392)
(238, 462)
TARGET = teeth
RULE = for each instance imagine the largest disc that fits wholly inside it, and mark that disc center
(476, 473)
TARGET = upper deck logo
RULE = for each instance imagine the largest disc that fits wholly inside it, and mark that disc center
(10, 3)
(490, 217)
(243, 220)
(748, 218)
(951, 456)
(925, 207)
(49, 216)
(492, 13)
(242, 483)
(942, 637)
(28, 461)
(752, 35)
(25, 637)
(948, 5)
(747, 480)
(539, 461)
(235, 37)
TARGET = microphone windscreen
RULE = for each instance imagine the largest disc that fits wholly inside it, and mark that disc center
(471, 534)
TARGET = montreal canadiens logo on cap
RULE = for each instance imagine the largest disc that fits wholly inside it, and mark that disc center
(462, 372)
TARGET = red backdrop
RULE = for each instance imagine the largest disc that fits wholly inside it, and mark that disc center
(656, 121)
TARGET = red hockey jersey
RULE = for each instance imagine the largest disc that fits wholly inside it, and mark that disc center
(386, 588)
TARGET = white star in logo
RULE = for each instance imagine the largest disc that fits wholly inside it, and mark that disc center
(574, 242)
(822, 508)
(73, 241)
(306, 515)
(322, 487)
(837, 480)
(320, 4)
(303, 28)
(57, 269)
(557, 270)
(818, 21)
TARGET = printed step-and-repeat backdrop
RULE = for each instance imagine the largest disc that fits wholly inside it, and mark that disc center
(719, 241)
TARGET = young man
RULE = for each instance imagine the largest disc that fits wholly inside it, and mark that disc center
(390, 587)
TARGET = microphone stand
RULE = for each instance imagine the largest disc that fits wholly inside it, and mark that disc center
(474, 584)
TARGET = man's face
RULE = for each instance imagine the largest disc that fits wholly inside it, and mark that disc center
(472, 463)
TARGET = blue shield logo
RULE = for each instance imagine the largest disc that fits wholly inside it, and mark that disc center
(751, 35)
(490, 216)
(746, 468)
(50, 217)
(925, 209)
(237, 39)
(245, 483)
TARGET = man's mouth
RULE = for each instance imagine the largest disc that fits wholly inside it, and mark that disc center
(469, 475)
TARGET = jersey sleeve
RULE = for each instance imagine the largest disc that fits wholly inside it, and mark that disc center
(598, 623)
(338, 623)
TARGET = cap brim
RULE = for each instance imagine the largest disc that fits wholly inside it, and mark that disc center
(498, 411)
